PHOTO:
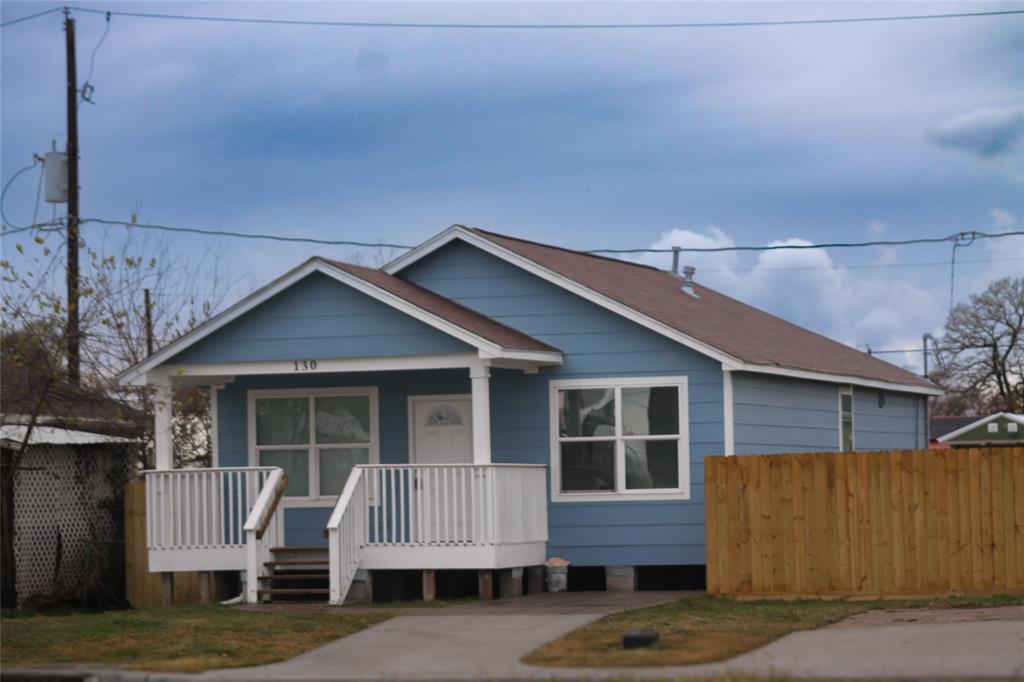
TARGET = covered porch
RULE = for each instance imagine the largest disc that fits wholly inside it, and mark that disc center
(382, 463)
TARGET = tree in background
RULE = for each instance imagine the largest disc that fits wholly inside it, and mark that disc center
(981, 352)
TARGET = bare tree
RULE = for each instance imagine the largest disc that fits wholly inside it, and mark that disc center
(981, 352)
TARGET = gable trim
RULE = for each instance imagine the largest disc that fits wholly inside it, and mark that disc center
(136, 374)
(981, 422)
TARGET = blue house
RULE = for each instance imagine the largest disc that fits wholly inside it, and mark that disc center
(485, 402)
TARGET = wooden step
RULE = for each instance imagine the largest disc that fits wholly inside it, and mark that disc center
(322, 548)
(297, 562)
(293, 591)
(296, 576)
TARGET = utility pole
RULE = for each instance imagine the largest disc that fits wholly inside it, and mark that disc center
(149, 324)
(72, 332)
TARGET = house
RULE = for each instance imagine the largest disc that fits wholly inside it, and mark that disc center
(485, 402)
(999, 429)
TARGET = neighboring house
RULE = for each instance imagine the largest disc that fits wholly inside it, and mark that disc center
(999, 429)
(504, 402)
(63, 493)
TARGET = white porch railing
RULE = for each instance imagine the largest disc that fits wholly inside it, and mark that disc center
(346, 535)
(213, 519)
(437, 516)
(264, 528)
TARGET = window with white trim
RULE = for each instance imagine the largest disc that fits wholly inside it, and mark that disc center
(846, 418)
(316, 437)
(619, 439)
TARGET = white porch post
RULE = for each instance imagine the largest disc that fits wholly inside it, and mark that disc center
(480, 379)
(162, 440)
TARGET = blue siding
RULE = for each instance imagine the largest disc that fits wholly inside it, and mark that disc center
(319, 317)
(304, 525)
(898, 423)
(778, 414)
(596, 343)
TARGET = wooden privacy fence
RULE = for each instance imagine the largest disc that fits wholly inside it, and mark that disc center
(907, 522)
(142, 587)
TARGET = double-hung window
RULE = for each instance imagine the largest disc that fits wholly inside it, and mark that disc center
(846, 419)
(616, 439)
(315, 436)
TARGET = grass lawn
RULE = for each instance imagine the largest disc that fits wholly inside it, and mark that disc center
(180, 639)
(703, 629)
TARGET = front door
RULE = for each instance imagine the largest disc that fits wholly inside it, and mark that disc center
(442, 433)
(442, 430)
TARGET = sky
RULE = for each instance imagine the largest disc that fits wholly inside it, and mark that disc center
(588, 139)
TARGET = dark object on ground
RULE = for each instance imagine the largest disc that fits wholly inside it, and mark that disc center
(635, 639)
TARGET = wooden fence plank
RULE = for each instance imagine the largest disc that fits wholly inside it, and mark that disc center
(866, 523)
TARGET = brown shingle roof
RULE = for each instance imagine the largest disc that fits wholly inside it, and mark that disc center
(449, 310)
(734, 328)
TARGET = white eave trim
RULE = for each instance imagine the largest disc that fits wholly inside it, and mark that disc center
(841, 379)
(728, 362)
(488, 349)
(981, 422)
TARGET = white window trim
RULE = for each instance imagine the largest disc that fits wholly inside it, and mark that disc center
(313, 499)
(622, 495)
(411, 414)
(847, 390)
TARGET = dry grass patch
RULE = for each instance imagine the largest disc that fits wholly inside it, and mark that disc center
(704, 629)
(180, 639)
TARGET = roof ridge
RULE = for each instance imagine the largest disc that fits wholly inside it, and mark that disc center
(564, 248)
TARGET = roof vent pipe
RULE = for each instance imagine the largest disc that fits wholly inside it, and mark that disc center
(688, 273)
(675, 259)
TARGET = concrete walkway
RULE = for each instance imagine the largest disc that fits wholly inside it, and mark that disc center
(486, 641)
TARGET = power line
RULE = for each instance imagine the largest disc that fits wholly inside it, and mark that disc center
(872, 351)
(865, 266)
(960, 236)
(502, 26)
(30, 16)
(246, 235)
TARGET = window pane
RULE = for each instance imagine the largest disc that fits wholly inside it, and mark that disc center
(650, 411)
(335, 466)
(282, 421)
(588, 466)
(586, 412)
(652, 464)
(846, 402)
(343, 419)
(296, 466)
(846, 443)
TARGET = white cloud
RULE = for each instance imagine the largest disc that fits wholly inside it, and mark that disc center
(1002, 218)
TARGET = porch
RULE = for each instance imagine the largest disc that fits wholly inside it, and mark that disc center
(426, 517)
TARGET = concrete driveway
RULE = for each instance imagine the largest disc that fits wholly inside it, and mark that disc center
(486, 641)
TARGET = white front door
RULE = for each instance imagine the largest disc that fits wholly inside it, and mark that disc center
(442, 430)
(442, 433)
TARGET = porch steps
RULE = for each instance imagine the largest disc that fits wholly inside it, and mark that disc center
(296, 574)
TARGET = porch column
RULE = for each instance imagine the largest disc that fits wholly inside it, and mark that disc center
(480, 378)
(162, 440)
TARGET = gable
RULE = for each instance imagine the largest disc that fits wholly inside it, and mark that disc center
(319, 317)
(982, 434)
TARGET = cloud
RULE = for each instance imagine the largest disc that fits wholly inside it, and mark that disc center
(986, 132)
(1002, 218)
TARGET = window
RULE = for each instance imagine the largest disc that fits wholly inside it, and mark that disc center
(846, 419)
(1011, 427)
(619, 439)
(316, 437)
(993, 427)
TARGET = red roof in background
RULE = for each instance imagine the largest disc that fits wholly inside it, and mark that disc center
(735, 328)
(449, 310)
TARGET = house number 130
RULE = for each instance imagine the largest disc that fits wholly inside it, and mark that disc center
(304, 365)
